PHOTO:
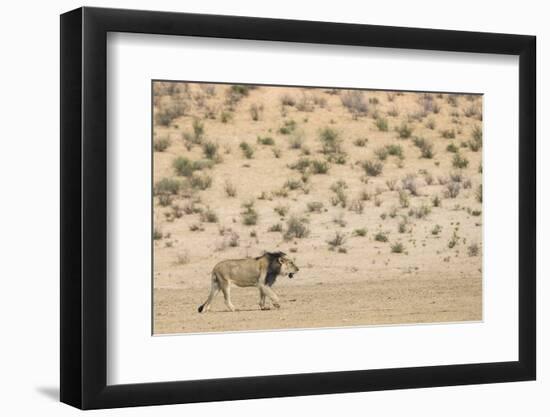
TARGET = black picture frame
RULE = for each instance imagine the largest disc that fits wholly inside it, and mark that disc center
(84, 207)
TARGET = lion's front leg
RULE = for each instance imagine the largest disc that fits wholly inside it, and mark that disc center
(262, 300)
(267, 291)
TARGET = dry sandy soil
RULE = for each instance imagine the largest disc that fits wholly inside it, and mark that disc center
(411, 235)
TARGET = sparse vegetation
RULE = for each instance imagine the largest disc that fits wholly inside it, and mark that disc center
(315, 206)
(249, 215)
(381, 237)
(337, 240)
(397, 247)
(372, 168)
(230, 189)
(460, 161)
(248, 151)
(161, 144)
(210, 150)
(382, 124)
(296, 227)
(355, 103)
(404, 131)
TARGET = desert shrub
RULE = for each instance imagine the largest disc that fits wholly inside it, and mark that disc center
(477, 139)
(296, 140)
(281, 192)
(209, 216)
(177, 212)
(451, 147)
(430, 124)
(354, 102)
(436, 230)
(243, 90)
(436, 201)
(226, 116)
(287, 100)
(314, 207)
(288, 127)
(301, 165)
(364, 195)
(330, 140)
(230, 189)
(357, 206)
(420, 212)
(281, 210)
(249, 215)
(360, 232)
(460, 161)
(161, 144)
(165, 200)
(473, 249)
(473, 111)
(403, 199)
(337, 240)
(198, 130)
(452, 99)
(428, 178)
(276, 152)
(210, 150)
(201, 182)
(319, 167)
(448, 134)
(455, 239)
(340, 197)
(277, 227)
(372, 168)
(296, 227)
(360, 142)
(305, 103)
(247, 150)
(395, 150)
(402, 226)
(381, 237)
(404, 131)
(185, 167)
(381, 153)
(256, 111)
(397, 247)
(409, 183)
(167, 186)
(453, 189)
(382, 124)
(157, 234)
(166, 114)
(293, 184)
(267, 140)
(393, 112)
(425, 146)
(391, 183)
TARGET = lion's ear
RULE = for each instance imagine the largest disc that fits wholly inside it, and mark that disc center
(280, 260)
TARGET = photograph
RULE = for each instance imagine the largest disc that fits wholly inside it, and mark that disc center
(291, 207)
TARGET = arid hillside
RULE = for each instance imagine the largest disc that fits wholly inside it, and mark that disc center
(376, 195)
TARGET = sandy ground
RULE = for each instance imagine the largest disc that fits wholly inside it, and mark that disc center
(363, 283)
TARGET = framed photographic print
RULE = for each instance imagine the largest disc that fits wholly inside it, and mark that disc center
(257, 207)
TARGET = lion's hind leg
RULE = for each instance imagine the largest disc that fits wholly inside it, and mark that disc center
(226, 289)
(215, 288)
